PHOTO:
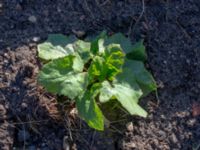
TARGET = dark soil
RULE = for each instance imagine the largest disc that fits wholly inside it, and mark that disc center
(28, 115)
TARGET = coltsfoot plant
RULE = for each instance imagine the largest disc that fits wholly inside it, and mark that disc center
(95, 72)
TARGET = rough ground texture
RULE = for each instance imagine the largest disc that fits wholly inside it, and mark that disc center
(28, 115)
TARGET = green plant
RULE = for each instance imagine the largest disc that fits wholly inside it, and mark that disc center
(96, 71)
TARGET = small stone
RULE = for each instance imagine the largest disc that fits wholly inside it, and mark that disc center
(163, 116)
(174, 138)
(129, 126)
(58, 9)
(18, 7)
(132, 145)
(162, 134)
(155, 141)
(36, 39)
(182, 114)
(6, 55)
(165, 62)
(82, 17)
(79, 33)
(32, 19)
(191, 122)
(161, 84)
(66, 145)
(2, 112)
(187, 61)
(24, 105)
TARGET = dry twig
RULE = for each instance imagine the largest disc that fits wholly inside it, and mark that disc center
(137, 21)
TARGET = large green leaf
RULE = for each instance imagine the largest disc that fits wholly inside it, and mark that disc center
(120, 39)
(78, 63)
(83, 49)
(138, 52)
(56, 46)
(124, 89)
(97, 45)
(58, 76)
(89, 110)
(141, 75)
(125, 94)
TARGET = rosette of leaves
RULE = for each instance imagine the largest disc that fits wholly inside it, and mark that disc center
(95, 72)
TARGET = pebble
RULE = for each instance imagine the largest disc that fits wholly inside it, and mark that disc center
(162, 134)
(79, 33)
(165, 62)
(24, 105)
(129, 126)
(1, 5)
(2, 110)
(36, 39)
(191, 122)
(18, 7)
(66, 143)
(182, 114)
(173, 138)
(82, 17)
(58, 9)
(132, 145)
(155, 142)
(32, 19)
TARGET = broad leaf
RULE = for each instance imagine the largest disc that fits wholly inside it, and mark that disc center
(138, 52)
(58, 76)
(89, 110)
(83, 49)
(78, 63)
(125, 94)
(60, 40)
(125, 90)
(56, 46)
(120, 39)
(141, 75)
(97, 45)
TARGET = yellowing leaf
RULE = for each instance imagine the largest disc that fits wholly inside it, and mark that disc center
(114, 58)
